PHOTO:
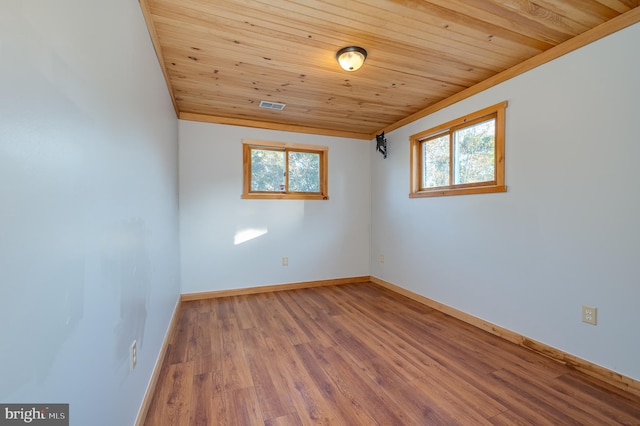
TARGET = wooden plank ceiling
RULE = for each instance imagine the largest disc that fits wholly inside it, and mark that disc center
(222, 57)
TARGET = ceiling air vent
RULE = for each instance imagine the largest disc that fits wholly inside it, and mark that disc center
(272, 105)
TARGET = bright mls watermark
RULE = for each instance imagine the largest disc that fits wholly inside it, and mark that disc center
(36, 414)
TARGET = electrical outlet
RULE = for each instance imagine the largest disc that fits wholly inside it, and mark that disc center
(382, 258)
(589, 314)
(133, 355)
(285, 261)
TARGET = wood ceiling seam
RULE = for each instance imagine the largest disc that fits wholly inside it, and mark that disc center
(221, 73)
(329, 63)
(329, 60)
(620, 22)
(433, 38)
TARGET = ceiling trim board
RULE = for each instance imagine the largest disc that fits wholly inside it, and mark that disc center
(204, 118)
(146, 12)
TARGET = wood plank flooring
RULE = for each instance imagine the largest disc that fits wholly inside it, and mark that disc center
(360, 354)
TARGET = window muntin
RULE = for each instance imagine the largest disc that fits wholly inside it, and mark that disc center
(282, 170)
(463, 156)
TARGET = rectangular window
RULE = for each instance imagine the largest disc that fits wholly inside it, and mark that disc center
(284, 170)
(463, 156)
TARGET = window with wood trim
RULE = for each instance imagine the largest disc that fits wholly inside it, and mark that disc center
(463, 156)
(276, 170)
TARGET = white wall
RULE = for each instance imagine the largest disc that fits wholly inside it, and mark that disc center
(88, 224)
(322, 239)
(567, 231)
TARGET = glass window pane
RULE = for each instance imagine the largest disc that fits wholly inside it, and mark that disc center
(435, 155)
(267, 170)
(474, 149)
(304, 172)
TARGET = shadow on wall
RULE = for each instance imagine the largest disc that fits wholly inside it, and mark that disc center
(43, 302)
(126, 265)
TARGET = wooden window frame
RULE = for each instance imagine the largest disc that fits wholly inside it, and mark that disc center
(323, 151)
(497, 185)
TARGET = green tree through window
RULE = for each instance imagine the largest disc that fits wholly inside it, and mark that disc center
(279, 170)
(304, 171)
(463, 156)
(474, 148)
(267, 170)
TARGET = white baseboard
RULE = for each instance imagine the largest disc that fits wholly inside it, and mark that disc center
(148, 396)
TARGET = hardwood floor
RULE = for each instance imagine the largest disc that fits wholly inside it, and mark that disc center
(359, 354)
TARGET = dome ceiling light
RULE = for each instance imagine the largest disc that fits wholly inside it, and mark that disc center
(351, 58)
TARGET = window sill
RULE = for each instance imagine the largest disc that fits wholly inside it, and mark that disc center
(252, 196)
(439, 192)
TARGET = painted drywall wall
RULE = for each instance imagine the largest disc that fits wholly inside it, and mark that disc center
(88, 225)
(228, 242)
(565, 234)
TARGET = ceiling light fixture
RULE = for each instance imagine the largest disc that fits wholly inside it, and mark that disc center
(351, 58)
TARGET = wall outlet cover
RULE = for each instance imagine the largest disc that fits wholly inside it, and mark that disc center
(590, 314)
(133, 356)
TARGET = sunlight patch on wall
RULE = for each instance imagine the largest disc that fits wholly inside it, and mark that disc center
(248, 234)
